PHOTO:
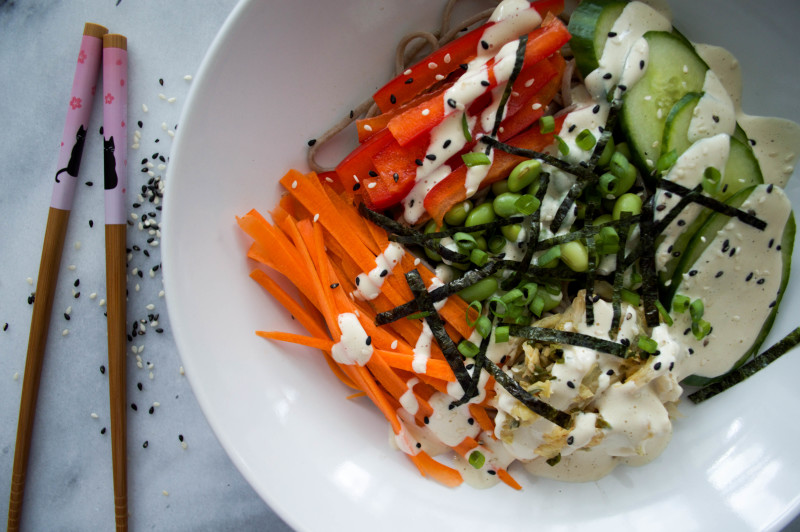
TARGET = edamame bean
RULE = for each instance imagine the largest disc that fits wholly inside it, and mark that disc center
(498, 187)
(524, 174)
(627, 203)
(624, 170)
(575, 256)
(458, 213)
(480, 242)
(481, 290)
(511, 232)
(482, 214)
(505, 204)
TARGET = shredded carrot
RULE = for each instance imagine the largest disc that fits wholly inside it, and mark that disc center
(506, 477)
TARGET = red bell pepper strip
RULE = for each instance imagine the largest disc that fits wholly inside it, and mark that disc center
(443, 61)
(396, 167)
(357, 166)
(524, 113)
(452, 190)
(542, 42)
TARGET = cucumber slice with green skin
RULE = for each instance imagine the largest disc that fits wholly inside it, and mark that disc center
(740, 273)
(589, 26)
(741, 171)
(676, 127)
(787, 244)
(673, 70)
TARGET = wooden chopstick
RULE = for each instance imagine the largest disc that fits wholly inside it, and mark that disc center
(115, 111)
(77, 124)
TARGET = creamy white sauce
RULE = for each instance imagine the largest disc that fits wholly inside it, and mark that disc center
(354, 346)
(714, 113)
(368, 285)
(408, 400)
(422, 349)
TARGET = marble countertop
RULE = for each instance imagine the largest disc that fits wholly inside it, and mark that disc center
(172, 484)
(179, 477)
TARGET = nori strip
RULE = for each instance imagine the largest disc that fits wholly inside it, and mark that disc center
(574, 193)
(532, 229)
(478, 361)
(619, 275)
(715, 205)
(647, 263)
(542, 334)
(519, 62)
(583, 233)
(608, 130)
(753, 366)
(468, 279)
(591, 272)
(673, 213)
(562, 419)
(431, 244)
(574, 169)
(436, 324)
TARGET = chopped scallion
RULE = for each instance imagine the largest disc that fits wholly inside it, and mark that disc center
(476, 459)
(501, 334)
(648, 345)
(547, 124)
(475, 159)
(465, 127)
(467, 348)
(585, 140)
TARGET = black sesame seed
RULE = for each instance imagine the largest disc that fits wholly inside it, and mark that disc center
(139, 123)
(152, 409)
(451, 406)
(384, 273)
(411, 203)
(485, 83)
(725, 188)
(661, 207)
(732, 253)
(311, 142)
(369, 340)
(761, 281)
(334, 285)
(749, 277)
(373, 173)
(671, 365)
(612, 33)
(771, 242)
(91, 223)
(89, 183)
(352, 114)
(715, 118)
(625, 342)
(719, 274)
(687, 331)
(778, 247)
(571, 384)
(161, 81)
(769, 188)
(572, 127)
(657, 366)
(431, 157)
(103, 369)
(451, 102)
(358, 281)
(471, 421)
(641, 64)
(485, 45)
(676, 254)
(419, 445)
(103, 430)
(596, 109)
(607, 75)
(681, 223)
(418, 162)
(145, 444)
(426, 420)
(773, 304)
(464, 66)
(752, 142)
(622, 88)
(101, 130)
(446, 144)
(66, 316)
(691, 351)
(570, 440)
(610, 372)
(134, 407)
(139, 385)
(725, 246)
(356, 186)
(396, 177)
(692, 273)
(77, 295)
(392, 99)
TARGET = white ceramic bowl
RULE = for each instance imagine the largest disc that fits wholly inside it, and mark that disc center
(277, 75)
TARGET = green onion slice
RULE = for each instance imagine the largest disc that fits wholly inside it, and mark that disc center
(475, 159)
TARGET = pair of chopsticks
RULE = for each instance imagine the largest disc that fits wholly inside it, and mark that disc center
(97, 46)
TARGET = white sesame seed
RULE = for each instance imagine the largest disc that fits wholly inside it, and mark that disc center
(144, 108)
(685, 69)
(328, 179)
(416, 261)
(172, 99)
(133, 349)
(188, 77)
(150, 306)
(161, 293)
(162, 167)
(137, 287)
(171, 134)
(184, 445)
(94, 416)
(150, 375)
(294, 184)
(150, 365)
(536, 106)
(93, 295)
(164, 126)
(156, 404)
(78, 244)
(154, 243)
(356, 178)
(134, 216)
(165, 493)
(30, 280)
(69, 310)
(101, 303)
(152, 273)
(139, 364)
(529, 82)
(65, 332)
(367, 127)
(447, 58)
(316, 217)
(181, 371)
(151, 173)
(439, 77)
(162, 96)
(394, 344)
(16, 375)
(372, 185)
(407, 72)
(433, 65)
(135, 146)
(426, 112)
(71, 267)
(648, 98)
(141, 226)
(150, 165)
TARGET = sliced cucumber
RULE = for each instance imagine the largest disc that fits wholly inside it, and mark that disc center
(673, 70)
(741, 273)
(741, 171)
(589, 25)
(676, 127)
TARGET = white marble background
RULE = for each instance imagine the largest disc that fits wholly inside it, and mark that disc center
(69, 477)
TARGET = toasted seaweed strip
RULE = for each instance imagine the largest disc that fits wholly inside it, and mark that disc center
(542, 334)
(395, 228)
(715, 205)
(673, 213)
(478, 361)
(591, 273)
(574, 169)
(562, 419)
(753, 366)
(608, 130)
(567, 203)
(468, 279)
(519, 62)
(619, 275)
(532, 229)
(583, 233)
(647, 263)
(434, 321)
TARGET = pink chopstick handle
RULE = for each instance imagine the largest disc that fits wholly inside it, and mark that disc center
(115, 130)
(84, 85)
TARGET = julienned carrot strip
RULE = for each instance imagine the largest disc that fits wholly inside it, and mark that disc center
(436, 470)
(506, 477)
(479, 414)
(466, 445)
(356, 395)
(305, 318)
(438, 369)
(310, 341)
